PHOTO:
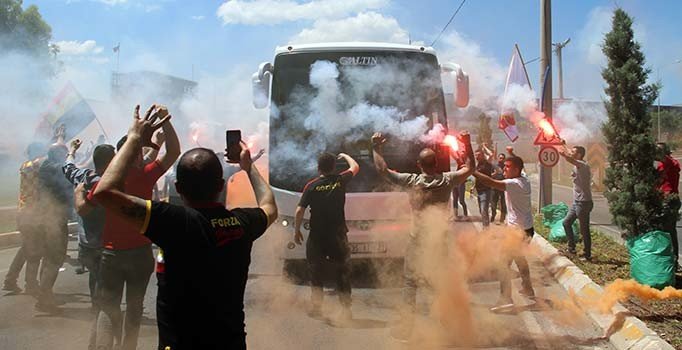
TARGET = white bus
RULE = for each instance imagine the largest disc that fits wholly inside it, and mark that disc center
(406, 79)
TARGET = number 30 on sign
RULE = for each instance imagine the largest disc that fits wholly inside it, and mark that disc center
(548, 156)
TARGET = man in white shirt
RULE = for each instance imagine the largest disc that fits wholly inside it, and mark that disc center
(516, 187)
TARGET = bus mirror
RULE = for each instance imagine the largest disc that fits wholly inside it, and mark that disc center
(459, 83)
(260, 83)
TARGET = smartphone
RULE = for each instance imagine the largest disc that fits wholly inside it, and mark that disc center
(233, 140)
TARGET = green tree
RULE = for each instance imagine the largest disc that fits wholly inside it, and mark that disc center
(24, 30)
(485, 133)
(671, 123)
(634, 201)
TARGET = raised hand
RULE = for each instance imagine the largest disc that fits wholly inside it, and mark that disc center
(75, 145)
(144, 127)
(378, 139)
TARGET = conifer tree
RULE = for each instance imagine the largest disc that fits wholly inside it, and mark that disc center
(631, 180)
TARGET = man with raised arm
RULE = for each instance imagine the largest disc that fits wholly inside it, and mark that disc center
(429, 193)
(127, 258)
(207, 248)
(327, 241)
(582, 201)
(516, 187)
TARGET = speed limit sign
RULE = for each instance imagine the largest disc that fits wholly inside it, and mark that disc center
(548, 156)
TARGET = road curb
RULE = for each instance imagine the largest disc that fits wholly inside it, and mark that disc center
(632, 335)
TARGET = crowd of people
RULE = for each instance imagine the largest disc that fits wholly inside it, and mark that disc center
(199, 239)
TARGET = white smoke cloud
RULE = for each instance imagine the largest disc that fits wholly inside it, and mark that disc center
(77, 48)
(521, 99)
(579, 121)
(279, 11)
(591, 36)
(224, 102)
(486, 75)
(366, 26)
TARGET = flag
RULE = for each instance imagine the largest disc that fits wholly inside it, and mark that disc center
(516, 75)
(68, 108)
(117, 47)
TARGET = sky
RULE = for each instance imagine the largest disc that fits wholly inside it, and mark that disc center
(204, 39)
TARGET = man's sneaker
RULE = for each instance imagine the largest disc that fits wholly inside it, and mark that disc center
(46, 307)
(11, 286)
(585, 258)
(32, 290)
(528, 292)
(402, 331)
(344, 317)
(315, 311)
(503, 305)
(80, 270)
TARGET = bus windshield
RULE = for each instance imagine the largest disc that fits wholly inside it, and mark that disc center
(334, 101)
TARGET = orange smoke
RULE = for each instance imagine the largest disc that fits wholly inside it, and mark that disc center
(452, 142)
(620, 290)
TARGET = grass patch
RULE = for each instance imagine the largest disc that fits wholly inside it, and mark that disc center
(611, 260)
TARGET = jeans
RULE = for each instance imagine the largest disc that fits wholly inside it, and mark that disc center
(30, 252)
(48, 242)
(524, 270)
(458, 196)
(335, 251)
(91, 258)
(484, 205)
(131, 268)
(580, 211)
(498, 197)
(672, 207)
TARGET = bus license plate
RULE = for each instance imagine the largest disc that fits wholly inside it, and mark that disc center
(367, 247)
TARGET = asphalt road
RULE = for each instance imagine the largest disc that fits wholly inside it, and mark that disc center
(277, 318)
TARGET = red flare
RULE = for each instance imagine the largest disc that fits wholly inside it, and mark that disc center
(452, 142)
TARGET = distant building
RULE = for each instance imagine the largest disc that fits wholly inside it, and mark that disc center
(148, 87)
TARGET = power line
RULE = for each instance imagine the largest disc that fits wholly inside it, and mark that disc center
(533, 60)
(450, 21)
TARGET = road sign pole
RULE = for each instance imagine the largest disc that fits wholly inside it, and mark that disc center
(546, 82)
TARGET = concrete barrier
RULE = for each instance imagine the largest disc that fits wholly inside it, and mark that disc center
(633, 334)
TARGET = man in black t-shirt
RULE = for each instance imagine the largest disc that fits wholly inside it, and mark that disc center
(327, 241)
(207, 248)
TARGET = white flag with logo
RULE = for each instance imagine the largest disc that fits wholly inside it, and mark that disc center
(516, 75)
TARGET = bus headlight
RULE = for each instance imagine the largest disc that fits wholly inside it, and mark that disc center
(306, 225)
(285, 222)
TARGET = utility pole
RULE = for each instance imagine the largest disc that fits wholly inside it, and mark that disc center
(545, 69)
(558, 47)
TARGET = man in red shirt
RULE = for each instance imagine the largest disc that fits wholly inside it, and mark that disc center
(669, 170)
(127, 258)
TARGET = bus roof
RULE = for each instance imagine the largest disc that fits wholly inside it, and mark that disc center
(352, 46)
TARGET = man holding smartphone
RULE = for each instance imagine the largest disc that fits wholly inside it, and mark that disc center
(327, 240)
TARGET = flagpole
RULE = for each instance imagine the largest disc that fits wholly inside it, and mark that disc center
(102, 128)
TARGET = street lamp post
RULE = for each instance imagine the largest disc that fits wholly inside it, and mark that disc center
(658, 112)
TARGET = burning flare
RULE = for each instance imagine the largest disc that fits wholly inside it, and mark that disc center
(547, 128)
(452, 142)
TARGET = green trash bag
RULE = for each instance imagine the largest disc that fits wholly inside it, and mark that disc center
(552, 217)
(651, 259)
